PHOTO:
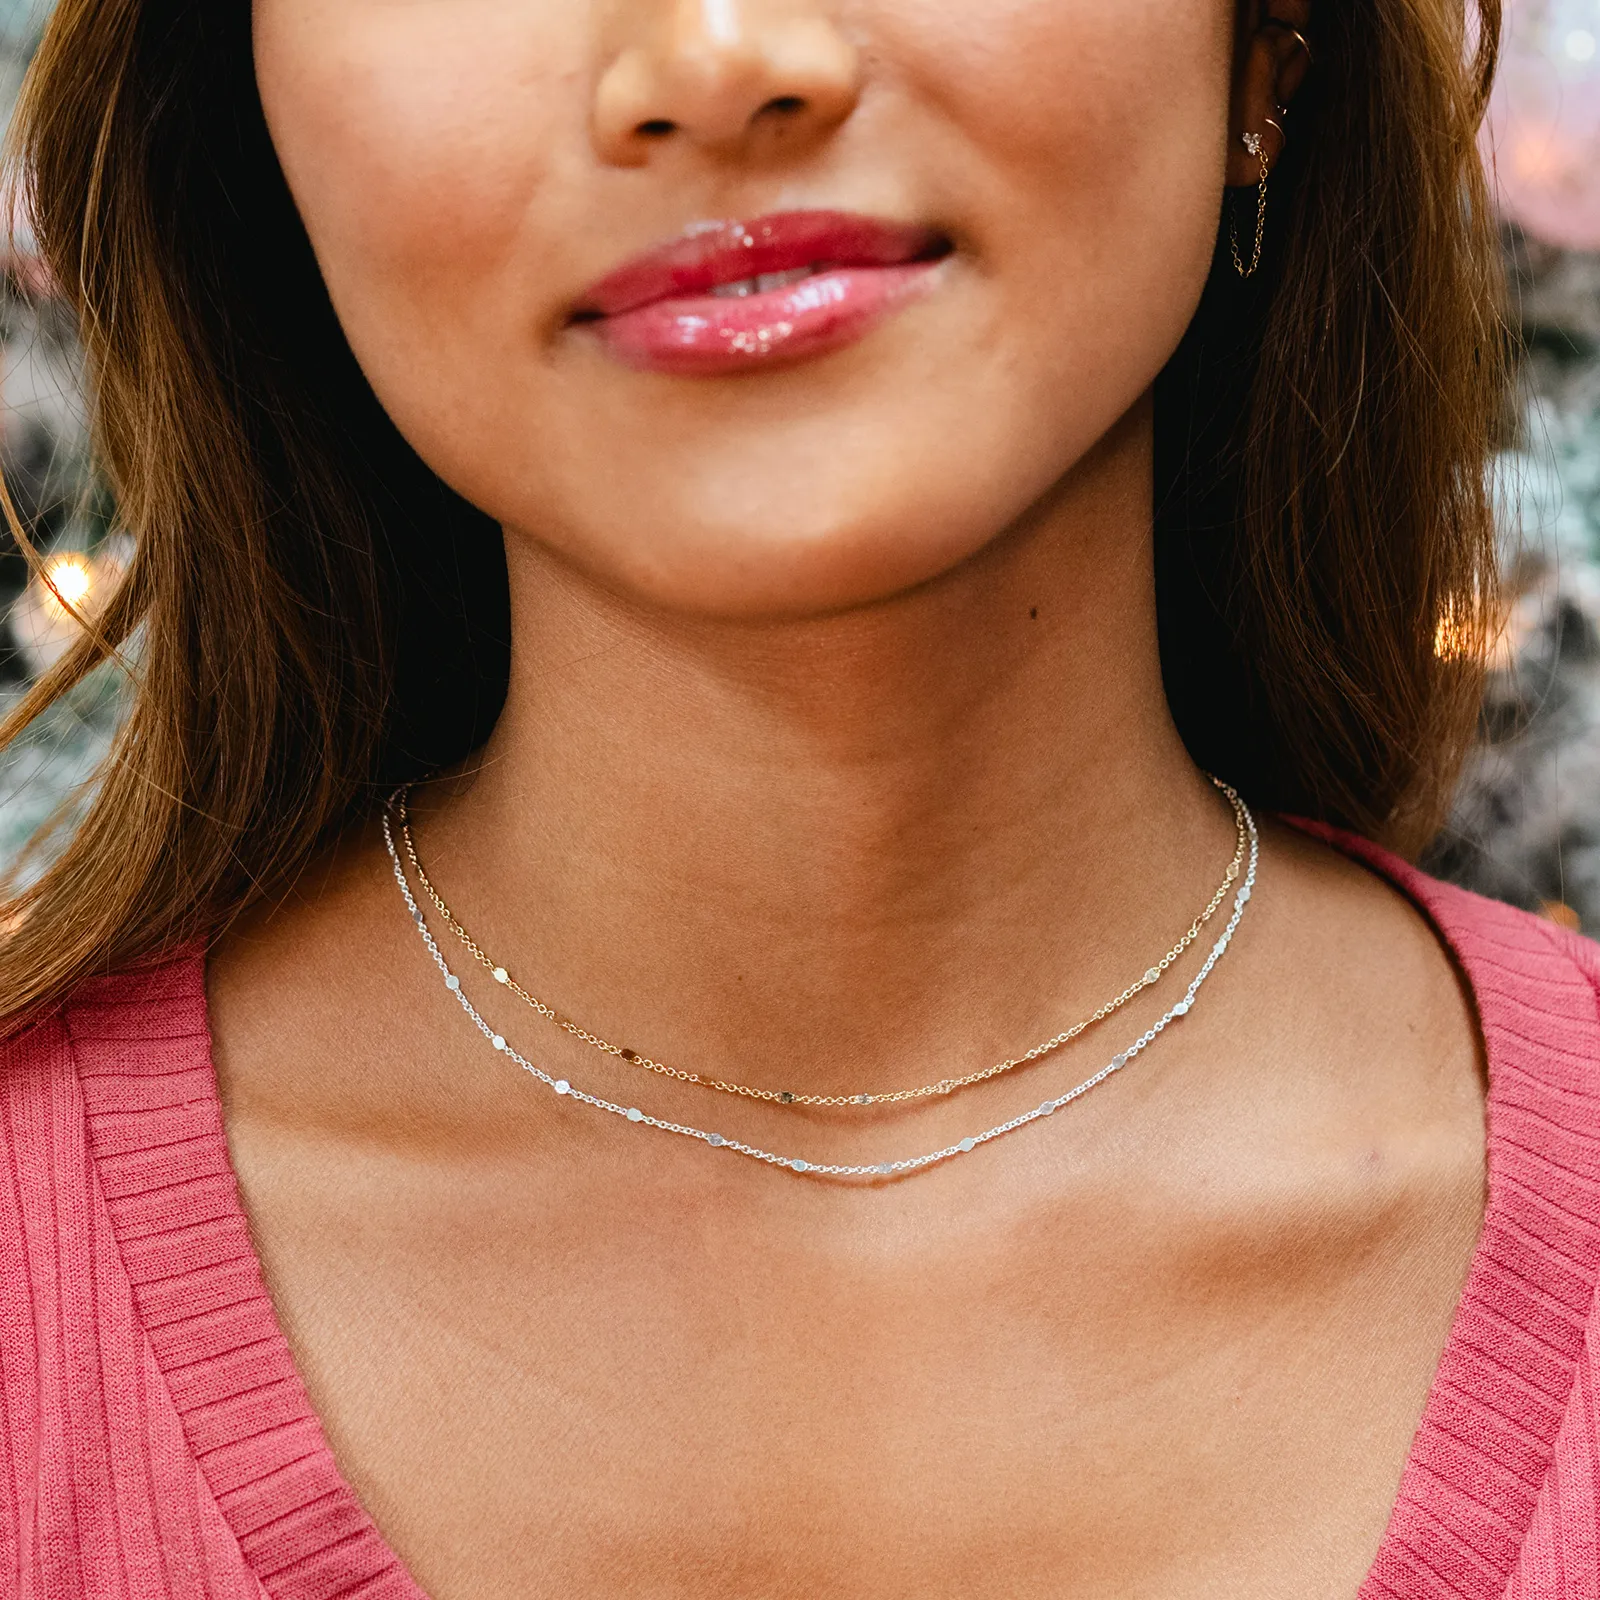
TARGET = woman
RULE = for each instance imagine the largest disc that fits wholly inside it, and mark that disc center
(815, 486)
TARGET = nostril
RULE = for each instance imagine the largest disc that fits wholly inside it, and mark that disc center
(784, 105)
(656, 128)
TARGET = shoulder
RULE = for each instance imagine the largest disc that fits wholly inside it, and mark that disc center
(88, 1078)
(1509, 1447)
(120, 1021)
(106, 1055)
(111, 1235)
(1533, 991)
(1511, 959)
(94, 1098)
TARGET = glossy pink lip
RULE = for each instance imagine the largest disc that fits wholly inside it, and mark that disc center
(658, 312)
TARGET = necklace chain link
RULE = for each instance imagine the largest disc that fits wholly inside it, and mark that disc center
(796, 1164)
(944, 1086)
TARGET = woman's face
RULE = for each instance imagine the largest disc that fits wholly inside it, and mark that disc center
(976, 231)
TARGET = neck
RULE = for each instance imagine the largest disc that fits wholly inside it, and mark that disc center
(856, 845)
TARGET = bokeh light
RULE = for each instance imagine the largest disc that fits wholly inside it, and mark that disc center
(1543, 131)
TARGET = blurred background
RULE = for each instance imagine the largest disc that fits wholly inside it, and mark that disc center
(1527, 820)
(44, 457)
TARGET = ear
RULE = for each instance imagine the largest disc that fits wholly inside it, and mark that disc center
(1271, 62)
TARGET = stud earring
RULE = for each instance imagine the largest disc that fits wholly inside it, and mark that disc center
(1254, 143)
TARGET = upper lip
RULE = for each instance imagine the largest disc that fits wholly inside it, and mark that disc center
(713, 254)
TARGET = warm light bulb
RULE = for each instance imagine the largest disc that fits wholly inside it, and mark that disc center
(70, 581)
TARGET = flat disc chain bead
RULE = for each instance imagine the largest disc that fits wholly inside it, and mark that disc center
(785, 1097)
(798, 1164)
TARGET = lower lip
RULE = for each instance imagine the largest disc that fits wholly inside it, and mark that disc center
(710, 336)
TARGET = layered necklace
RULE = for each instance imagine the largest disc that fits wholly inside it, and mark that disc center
(1245, 859)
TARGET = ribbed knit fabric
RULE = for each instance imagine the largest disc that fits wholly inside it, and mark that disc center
(157, 1443)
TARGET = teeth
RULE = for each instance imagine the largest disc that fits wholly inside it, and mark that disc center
(766, 283)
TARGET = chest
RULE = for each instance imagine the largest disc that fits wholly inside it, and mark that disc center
(562, 1381)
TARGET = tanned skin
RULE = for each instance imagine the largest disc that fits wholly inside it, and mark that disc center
(836, 757)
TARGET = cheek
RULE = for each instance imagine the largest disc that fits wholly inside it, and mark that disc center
(420, 138)
(1074, 85)
(1097, 132)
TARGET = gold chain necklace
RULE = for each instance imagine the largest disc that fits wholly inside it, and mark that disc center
(944, 1086)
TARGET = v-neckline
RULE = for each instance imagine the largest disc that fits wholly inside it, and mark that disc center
(1490, 1419)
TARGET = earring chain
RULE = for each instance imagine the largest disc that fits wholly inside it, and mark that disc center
(1254, 143)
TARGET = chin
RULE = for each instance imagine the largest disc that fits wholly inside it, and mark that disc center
(736, 575)
(698, 530)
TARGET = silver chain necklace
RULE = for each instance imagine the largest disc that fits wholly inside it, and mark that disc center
(796, 1164)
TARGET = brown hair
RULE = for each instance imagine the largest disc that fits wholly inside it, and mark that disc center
(310, 615)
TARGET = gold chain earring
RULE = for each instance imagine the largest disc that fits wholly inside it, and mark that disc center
(1254, 143)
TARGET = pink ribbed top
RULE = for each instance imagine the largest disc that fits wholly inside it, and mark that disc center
(156, 1440)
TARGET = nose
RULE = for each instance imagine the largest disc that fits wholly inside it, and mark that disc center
(725, 76)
